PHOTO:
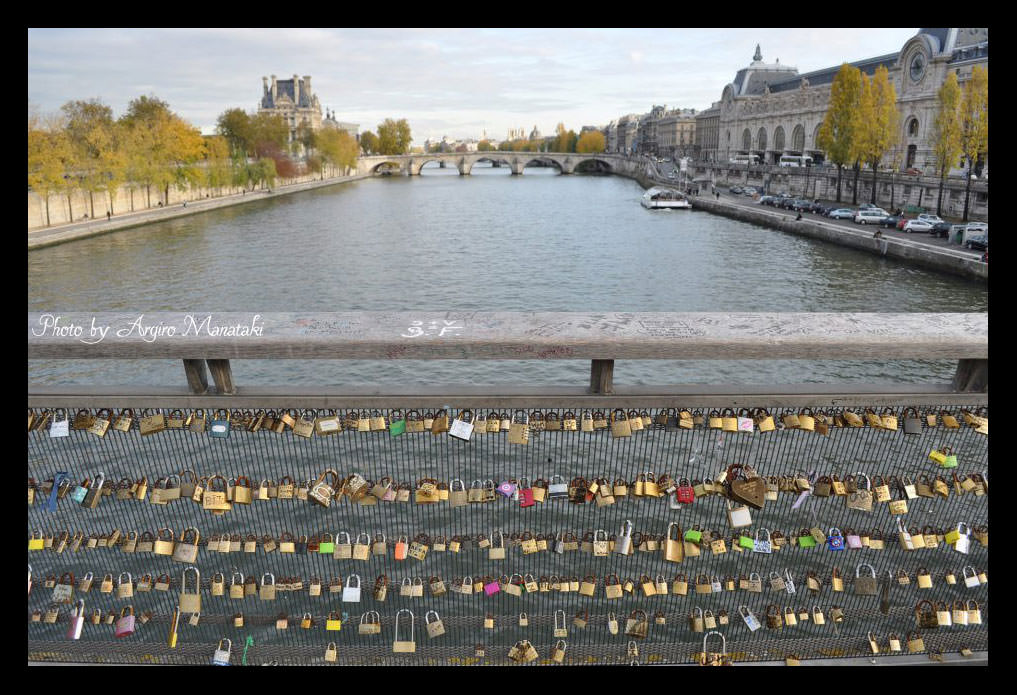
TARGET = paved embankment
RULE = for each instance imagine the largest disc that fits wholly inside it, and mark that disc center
(955, 262)
(39, 238)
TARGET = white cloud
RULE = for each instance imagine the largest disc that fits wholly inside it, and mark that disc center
(452, 82)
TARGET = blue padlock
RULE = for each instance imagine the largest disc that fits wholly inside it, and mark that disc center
(507, 489)
(835, 539)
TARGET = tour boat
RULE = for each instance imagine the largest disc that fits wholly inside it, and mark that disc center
(665, 199)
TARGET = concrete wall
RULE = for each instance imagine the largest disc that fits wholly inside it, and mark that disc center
(932, 258)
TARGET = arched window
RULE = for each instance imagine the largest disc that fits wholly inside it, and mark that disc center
(815, 136)
(913, 127)
(798, 138)
(761, 139)
(778, 139)
(746, 140)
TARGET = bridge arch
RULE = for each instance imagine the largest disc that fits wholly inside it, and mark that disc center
(593, 165)
(387, 164)
(458, 161)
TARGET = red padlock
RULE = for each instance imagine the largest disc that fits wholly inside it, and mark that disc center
(685, 494)
(526, 497)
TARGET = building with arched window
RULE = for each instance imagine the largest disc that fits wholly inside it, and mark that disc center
(770, 110)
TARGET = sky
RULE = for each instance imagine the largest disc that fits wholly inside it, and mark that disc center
(446, 82)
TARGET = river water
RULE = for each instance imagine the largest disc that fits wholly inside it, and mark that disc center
(489, 241)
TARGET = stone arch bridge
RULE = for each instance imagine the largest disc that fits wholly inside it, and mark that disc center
(565, 162)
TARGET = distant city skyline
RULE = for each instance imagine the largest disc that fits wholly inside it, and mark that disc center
(445, 82)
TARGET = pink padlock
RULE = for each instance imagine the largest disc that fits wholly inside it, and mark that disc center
(854, 541)
(125, 625)
(507, 489)
(77, 620)
(492, 588)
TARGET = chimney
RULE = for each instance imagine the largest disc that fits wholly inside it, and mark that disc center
(296, 91)
(273, 90)
(264, 85)
(307, 88)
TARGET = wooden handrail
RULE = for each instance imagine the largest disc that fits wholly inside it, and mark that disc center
(506, 335)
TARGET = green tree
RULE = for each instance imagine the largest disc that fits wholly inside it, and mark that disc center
(337, 148)
(164, 149)
(946, 132)
(235, 126)
(974, 125)
(879, 121)
(506, 146)
(394, 136)
(484, 146)
(837, 134)
(217, 170)
(572, 141)
(96, 159)
(592, 141)
(369, 142)
(269, 134)
(403, 135)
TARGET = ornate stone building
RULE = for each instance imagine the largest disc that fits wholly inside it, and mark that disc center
(294, 101)
(771, 110)
(676, 133)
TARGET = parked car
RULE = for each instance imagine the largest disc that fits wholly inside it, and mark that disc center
(786, 203)
(735, 189)
(913, 172)
(930, 218)
(940, 229)
(750, 190)
(890, 221)
(765, 200)
(917, 225)
(870, 216)
(867, 206)
(978, 243)
(842, 214)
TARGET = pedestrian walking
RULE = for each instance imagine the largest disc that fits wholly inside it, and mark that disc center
(107, 215)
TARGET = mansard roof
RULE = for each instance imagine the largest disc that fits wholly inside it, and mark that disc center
(284, 88)
(825, 76)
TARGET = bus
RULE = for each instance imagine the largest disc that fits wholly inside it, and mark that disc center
(744, 159)
(790, 160)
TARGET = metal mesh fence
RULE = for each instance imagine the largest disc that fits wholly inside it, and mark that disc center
(697, 454)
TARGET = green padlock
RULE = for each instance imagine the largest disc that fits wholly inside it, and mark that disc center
(397, 423)
(326, 547)
(951, 458)
(693, 536)
(806, 540)
(746, 542)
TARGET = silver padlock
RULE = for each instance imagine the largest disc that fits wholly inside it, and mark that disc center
(222, 656)
(623, 545)
(77, 620)
(749, 618)
(557, 490)
(788, 581)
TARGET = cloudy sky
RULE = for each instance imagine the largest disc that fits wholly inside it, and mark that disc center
(454, 82)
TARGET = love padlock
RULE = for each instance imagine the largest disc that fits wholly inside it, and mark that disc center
(685, 493)
(526, 498)
(507, 489)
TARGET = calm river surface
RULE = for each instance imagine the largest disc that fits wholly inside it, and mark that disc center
(490, 241)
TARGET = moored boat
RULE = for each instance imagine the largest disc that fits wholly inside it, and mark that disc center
(665, 199)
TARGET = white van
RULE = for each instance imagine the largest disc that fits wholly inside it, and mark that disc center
(790, 160)
(869, 216)
(744, 159)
